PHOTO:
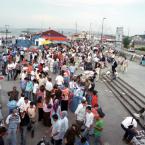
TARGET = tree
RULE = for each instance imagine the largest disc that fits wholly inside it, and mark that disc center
(126, 41)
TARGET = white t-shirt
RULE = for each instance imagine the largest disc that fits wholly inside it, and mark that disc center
(56, 128)
(25, 106)
(23, 76)
(10, 66)
(89, 119)
(20, 101)
(129, 121)
(35, 87)
(49, 86)
(80, 112)
(59, 80)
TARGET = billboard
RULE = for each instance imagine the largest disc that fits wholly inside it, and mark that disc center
(119, 37)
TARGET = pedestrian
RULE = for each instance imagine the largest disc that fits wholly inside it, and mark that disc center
(14, 94)
(64, 123)
(29, 89)
(47, 109)
(21, 100)
(25, 120)
(71, 135)
(65, 99)
(56, 131)
(80, 113)
(89, 120)
(99, 125)
(3, 131)
(13, 121)
(114, 65)
(94, 100)
(31, 110)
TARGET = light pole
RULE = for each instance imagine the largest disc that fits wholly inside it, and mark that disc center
(102, 29)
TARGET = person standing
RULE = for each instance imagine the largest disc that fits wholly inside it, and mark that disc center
(80, 113)
(29, 89)
(13, 121)
(32, 115)
(3, 131)
(56, 131)
(89, 119)
(64, 123)
(25, 120)
(114, 66)
(94, 100)
(49, 85)
(99, 125)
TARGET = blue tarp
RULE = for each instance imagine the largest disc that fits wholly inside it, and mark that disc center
(23, 43)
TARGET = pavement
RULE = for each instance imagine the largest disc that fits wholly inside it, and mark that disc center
(115, 112)
(135, 76)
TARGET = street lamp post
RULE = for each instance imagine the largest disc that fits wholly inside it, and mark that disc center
(102, 29)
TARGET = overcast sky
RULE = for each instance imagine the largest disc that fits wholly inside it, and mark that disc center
(65, 13)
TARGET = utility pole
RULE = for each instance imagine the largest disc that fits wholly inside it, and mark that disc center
(102, 29)
(6, 31)
(76, 25)
(90, 31)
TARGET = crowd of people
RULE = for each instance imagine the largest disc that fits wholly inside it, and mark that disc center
(54, 83)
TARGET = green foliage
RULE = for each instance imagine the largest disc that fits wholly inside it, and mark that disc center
(141, 49)
(126, 41)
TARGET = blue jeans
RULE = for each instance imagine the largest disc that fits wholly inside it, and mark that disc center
(23, 135)
(98, 140)
(12, 137)
(29, 95)
(10, 75)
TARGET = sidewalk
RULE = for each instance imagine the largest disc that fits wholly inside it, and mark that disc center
(135, 76)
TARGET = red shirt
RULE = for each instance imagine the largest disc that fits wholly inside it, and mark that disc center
(94, 100)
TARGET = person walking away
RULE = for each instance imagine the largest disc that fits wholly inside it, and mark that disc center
(35, 89)
(56, 109)
(47, 109)
(89, 120)
(64, 123)
(9, 70)
(125, 65)
(80, 113)
(32, 115)
(71, 135)
(13, 121)
(29, 89)
(56, 131)
(17, 70)
(99, 125)
(25, 120)
(114, 66)
(98, 70)
(65, 98)
(94, 98)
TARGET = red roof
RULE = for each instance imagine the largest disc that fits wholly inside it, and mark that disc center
(53, 36)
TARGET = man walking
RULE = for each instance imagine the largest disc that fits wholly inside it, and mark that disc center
(13, 121)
